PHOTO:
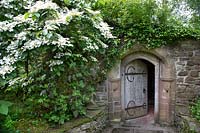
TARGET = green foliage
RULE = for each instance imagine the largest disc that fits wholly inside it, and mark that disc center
(4, 107)
(9, 123)
(146, 22)
(52, 56)
(195, 110)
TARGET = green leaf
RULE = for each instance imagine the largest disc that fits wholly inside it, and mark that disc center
(37, 15)
(67, 2)
(4, 107)
(68, 18)
(58, 73)
(26, 15)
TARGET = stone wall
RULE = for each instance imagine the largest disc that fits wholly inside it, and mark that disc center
(178, 79)
(101, 92)
(187, 64)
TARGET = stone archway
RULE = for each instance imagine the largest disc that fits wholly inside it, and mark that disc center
(153, 60)
(164, 87)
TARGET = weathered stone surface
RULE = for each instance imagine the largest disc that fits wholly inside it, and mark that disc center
(180, 80)
(181, 89)
(183, 73)
(194, 73)
(85, 126)
(182, 59)
(197, 52)
(191, 63)
(190, 54)
(183, 110)
(97, 123)
(189, 80)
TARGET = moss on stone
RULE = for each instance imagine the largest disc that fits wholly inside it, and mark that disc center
(38, 126)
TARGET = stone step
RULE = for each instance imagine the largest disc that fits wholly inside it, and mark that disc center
(134, 130)
(126, 130)
(142, 129)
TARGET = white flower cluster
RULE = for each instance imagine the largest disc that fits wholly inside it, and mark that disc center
(90, 45)
(102, 43)
(55, 62)
(31, 44)
(21, 36)
(60, 55)
(92, 12)
(72, 13)
(7, 62)
(64, 17)
(51, 25)
(27, 82)
(20, 18)
(9, 15)
(7, 26)
(5, 69)
(93, 59)
(16, 80)
(43, 5)
(12, 47)
(6, 3)
(62, 42)
(104, 29)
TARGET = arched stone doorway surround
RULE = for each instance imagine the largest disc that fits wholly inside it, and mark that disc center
(164, 84)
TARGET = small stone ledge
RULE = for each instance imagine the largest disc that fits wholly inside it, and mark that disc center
(96, 125)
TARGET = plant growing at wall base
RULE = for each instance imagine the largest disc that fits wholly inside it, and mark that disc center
(195, 110)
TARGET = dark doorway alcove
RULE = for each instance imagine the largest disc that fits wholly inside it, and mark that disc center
(151, 85)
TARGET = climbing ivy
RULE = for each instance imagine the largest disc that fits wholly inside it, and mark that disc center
(145, 21)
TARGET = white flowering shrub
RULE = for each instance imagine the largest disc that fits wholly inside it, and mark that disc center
(48, 51)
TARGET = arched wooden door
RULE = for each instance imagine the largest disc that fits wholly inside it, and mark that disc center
(135, 95)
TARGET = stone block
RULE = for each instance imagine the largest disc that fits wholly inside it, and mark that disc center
(181, 63)
(191, 63)
(182, 100)
(117, 103)
(190, 54)
(100, 89)
(197, 90)
(189, 80)
(197, 52)
(110, 108)
(180, 80)
(85, 126)
(180, 89)
(183, 110)
(194, 73)
(75, 130)
(117, 108)
(182, 73)
(117, 115)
